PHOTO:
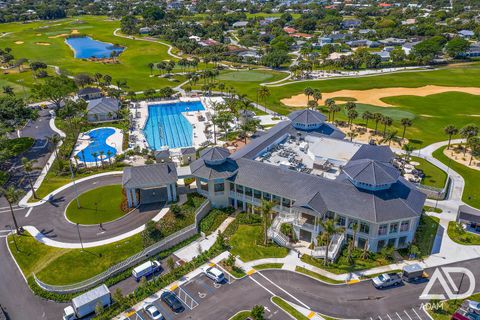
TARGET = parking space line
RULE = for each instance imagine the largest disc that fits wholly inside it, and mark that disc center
(290, 295)
(139, 316)
(407, 314)
(417, 314)
(194, 302)
(398, 316)
(167, 315)
(380, 318)
(261, 285)
(389, 316)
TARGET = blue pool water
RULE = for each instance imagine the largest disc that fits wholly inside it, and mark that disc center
(86, 47)
(166, 126)
(98, 143)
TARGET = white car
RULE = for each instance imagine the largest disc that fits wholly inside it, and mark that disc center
(153, 312)
(214, 274)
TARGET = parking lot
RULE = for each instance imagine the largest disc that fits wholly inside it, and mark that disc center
(407, 314)
(191, 294)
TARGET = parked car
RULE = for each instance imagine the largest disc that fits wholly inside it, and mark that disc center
(474, 306)
(214, 273)
(387, 280)
(152, 312)
(146, 269)
(172, 301)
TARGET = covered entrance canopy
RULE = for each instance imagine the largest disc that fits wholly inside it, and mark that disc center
(149, 184)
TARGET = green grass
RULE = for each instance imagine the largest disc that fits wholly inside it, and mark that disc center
(317, 275)
(471, 193)
(432, 209)
(98, 205)
(434, 176)
(449, 308)
(264, 266)
(246, 76)
(288, 308)
(459, 235)
(425, 234)
(58, 266)
(213, 220)
(395, 113)
(242, 315)
(237, 272)
(133, 66)
(247, 242)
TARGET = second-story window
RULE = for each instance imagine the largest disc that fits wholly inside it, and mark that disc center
(341, 221)
(405, 226)
(219, 187)
(364, 228)
(382, 230)
(394, 227)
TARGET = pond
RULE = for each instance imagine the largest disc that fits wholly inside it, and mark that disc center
(86, 47)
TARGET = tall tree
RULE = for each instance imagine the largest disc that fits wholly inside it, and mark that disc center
(329, 229)
(406, 122)
(467, 132)
(450, 130)
(12, 195)
(28, 167)
(308, 91)
(54, 89)
(266, 210)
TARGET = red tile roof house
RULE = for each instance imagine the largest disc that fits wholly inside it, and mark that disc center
(289, 30)
(301, 35)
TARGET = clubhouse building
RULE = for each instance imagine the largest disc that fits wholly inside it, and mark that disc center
(306, 168)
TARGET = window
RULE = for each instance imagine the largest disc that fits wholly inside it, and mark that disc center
(267, 196)
(204, 185)
(329, 215)
(257, 194)
(361, 242)
(382, 230)
(276, 199)
(239, 188)
(248, 191)
(394, 227)
(286, 202)
(364, 228)
(380, 245)
(351, 222)
(219, 187)
(391, 242)
(341, 221)
(405, 226)
(232, 186)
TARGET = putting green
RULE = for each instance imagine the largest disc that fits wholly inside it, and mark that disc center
(99, 205)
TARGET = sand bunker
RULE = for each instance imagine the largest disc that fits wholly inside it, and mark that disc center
(373, 96)
(74, 31)
(43, 43)
(19, 42)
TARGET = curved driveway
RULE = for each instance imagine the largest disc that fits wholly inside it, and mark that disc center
(49, 218)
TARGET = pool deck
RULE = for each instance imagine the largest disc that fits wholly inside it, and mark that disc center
(115, 141)
(140, 114)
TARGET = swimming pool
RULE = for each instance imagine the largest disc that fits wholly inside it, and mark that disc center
(86, 47)
(98, 143)
(166, 126)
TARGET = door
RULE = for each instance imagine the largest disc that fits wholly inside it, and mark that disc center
(305, 235)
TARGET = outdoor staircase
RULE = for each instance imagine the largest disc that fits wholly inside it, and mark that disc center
(274, 232)
(334, 248)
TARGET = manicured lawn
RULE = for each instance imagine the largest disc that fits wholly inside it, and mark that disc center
(395, 113)
(471, 193)
(316, 275)
(246, 76)
(432, 209)
(98, 205)
(67, 266)
(459, 235)
(242, 315)
(342, 264)
(288, 308)
(434, 176)
(425, 235)
(268, 266)
(133, 62)
(247, 242)
(449, 308)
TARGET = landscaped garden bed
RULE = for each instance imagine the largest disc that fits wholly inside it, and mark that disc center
(98, 205)
(461, 236)
(214, 219)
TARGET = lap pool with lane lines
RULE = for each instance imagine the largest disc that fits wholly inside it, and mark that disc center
(166, 125)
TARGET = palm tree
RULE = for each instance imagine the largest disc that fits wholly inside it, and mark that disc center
(109, 155)
(386, 121)
(308, 92)
(12, 195)
(350, 105)
(76, 158)
(406, 122)
(389, 137)
(351, 135)
(312, 104)
(474, 144)
(55, 139)
(317, 95)
(151, 65)
(95, 155)
(367, 115)
(352, 115)
(329, 103)
(266, 209)
(470, 130)
(329, 230)
(8, 90)
(377, 117)
(83, 155)
(102, 153)
(450, 130)
(351, 245)
(263, 93)
(28, 167)
(408, 148)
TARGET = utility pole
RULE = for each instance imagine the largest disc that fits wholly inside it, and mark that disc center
(74, 185)
(79, 236)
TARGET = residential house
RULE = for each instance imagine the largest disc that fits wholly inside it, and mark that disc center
(240, 24)
(351, 23)
(89, 93)
(467, 34)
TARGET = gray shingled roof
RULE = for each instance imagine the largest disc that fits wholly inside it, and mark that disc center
(214, 154)
(149, 176)
(88, 90)
(202, 169)
(188, 150)
(103, 106)
(307, 116)
(374, 152)
(371, 172)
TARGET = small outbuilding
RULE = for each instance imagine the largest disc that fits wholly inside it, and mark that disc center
(103, 109)
(90, 93)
